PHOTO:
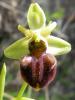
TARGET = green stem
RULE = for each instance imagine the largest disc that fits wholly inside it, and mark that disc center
(20, 93)
(47, 94)
(2, 81)
(29, 91)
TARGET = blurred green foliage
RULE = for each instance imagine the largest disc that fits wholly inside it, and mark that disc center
(56, 15)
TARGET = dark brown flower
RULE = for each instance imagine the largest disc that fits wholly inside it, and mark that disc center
(38, 72)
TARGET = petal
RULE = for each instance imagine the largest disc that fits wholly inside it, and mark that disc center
(17, 49)
(26, 32)
(57, 46)
(48, 29)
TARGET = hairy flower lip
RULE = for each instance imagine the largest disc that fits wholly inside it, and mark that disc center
(52, 57)
(37, 75)
(54, 70)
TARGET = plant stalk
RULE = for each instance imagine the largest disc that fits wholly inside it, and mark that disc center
(20, 93)
(47, 93)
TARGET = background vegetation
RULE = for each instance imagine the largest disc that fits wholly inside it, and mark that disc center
(12, 13)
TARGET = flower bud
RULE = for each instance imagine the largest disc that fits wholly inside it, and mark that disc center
(38, 72)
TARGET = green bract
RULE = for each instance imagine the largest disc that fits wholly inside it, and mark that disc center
(38, 30)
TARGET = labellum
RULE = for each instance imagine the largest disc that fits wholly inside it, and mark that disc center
(38, 72)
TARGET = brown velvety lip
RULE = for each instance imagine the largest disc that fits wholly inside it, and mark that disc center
(40, 72)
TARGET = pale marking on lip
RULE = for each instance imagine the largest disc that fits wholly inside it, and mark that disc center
(26, 60)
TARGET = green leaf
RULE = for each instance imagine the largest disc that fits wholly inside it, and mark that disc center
(17, 49)
(58, 14)
(2, 81)
(57, 46)
(55, 15)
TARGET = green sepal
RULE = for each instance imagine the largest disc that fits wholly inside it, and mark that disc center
(18, 49)
(35, 17)
(2, 81)
(57, 46)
